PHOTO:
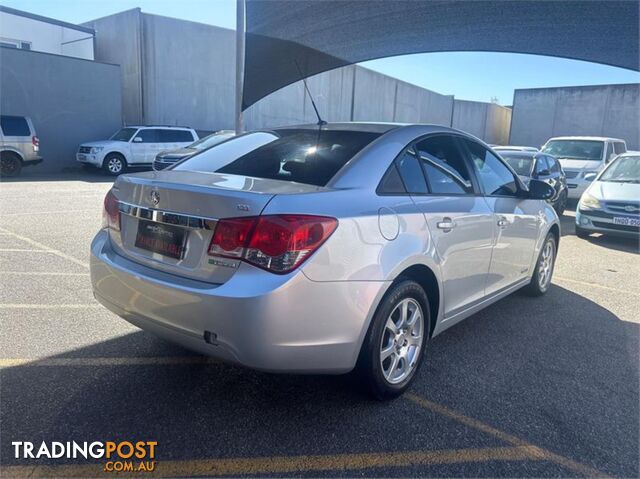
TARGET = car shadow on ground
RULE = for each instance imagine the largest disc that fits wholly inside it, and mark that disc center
(561, 372)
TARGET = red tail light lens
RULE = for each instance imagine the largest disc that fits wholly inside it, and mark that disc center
(35, 141)
(277, 243)
(111, 212)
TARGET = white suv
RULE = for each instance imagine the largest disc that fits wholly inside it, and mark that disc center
(134, 146)
(581, 155)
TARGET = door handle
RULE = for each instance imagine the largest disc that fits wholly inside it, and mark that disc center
(502, 222)
(446, 224)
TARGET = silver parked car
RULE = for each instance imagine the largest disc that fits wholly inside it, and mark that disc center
(611, 203)
(323, 249)
(19, 145)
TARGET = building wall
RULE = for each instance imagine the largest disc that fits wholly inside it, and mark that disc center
(69, 100)
(47, 37)
(603, 110)
(119, 41)
(487, 121)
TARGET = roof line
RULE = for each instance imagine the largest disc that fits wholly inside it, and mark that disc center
(40, 18)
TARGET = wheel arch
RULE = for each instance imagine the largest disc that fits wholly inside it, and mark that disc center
(5, 150)
(427, 279)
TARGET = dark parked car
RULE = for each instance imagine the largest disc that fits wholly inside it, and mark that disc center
(168, 158)
(531, 165)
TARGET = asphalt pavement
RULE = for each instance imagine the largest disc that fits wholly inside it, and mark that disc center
(541, 387)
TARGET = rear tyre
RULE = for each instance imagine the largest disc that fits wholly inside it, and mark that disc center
(394, 346)
(581, 233)
(541, 279)
(114, 164)
(10, 164)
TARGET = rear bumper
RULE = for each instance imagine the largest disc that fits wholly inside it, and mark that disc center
(258, 319)
(603, 223)
(33, 160)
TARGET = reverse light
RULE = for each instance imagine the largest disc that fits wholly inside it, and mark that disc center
(111, 212)
(277, 243)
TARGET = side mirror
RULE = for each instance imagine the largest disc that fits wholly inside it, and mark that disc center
(137, 139)
(539, 190)
(590, 176)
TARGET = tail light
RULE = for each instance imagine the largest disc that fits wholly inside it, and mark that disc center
(35, 142)
(111, 212)
(277, 243)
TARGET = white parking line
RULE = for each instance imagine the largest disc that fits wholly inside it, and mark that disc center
(47, 248)
(596, 285)
(48, 306)
(17, 250)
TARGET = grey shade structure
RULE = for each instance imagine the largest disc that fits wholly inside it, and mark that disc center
(287, 40)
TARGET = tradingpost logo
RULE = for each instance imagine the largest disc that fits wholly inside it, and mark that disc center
(123, 456)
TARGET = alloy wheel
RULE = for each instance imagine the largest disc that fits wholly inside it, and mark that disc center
(545, 267)
(401, 341)
(114, 165)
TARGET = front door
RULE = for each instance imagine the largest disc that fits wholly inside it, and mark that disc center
(515, 220)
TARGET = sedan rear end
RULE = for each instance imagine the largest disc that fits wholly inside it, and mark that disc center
(201, 254)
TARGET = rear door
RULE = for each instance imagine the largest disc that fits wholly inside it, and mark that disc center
(515, 220)
(459, 220)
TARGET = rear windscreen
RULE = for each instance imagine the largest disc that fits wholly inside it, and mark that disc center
(301, 155)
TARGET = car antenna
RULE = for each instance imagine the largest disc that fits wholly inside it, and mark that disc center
(313, 103)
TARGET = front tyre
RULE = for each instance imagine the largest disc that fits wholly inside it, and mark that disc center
(114, 164)
(541, 279)
(394, 346)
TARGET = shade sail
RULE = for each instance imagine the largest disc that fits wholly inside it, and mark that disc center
(287, 40)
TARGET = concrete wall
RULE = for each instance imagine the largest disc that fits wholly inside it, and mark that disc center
(603, 110)
(119, 41)
(487, 121)
(69, 101)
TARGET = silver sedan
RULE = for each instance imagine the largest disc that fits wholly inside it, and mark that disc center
(323, 249)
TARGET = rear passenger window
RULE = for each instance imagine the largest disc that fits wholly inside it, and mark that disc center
(554, 166)
(494, 177)
(174, 136)
(410, 172)
(444, 166)
(542, 166)
(14, 126)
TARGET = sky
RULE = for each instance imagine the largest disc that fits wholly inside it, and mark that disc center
(477, 76)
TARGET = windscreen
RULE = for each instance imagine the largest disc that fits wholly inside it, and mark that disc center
(575, 149)
(521, 164)
(624, 170)
(124, 134)
(307, 156)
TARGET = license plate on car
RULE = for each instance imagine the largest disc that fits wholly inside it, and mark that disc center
(160, 238)
(621, 220)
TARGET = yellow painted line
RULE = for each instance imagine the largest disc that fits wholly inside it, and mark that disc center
(106, 361)
(45, 247)
(42, 273)
(289, 464)
(542, 454)
(48, 306)
(596, 285)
